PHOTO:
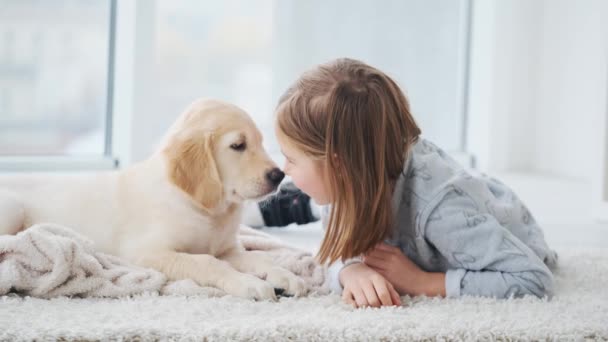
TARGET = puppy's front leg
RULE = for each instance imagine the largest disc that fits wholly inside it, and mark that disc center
(207, 270)
(259, 263)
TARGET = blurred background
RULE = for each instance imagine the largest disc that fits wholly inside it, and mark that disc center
(515, 88)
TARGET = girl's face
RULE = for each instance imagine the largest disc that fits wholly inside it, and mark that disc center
(305, 172)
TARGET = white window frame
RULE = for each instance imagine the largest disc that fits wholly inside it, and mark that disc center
(463, 155)
(132, 76)
(600, 184)
(72, 163)
(129, 69)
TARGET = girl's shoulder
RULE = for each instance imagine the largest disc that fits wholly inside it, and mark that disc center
(430, 173)
(425, 148)
(429, 168)
(432, 178)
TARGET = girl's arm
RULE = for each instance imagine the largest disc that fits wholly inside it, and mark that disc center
(432, 284)
(487, 259)
(404, 274)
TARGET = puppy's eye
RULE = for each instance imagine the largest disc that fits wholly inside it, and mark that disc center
(239, 146)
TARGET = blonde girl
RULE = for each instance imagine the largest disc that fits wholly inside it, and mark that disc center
(401, 216)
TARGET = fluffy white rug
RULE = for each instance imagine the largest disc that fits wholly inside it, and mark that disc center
(578, 311)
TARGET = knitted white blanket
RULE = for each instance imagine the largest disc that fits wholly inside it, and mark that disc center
(49, 260)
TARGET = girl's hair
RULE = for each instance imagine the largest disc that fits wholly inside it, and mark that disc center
(357, 122)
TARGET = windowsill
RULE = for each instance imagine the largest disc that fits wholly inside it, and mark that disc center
(55, 163)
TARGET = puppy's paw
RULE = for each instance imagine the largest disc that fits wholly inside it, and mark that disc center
(289, 282)
(250, 287)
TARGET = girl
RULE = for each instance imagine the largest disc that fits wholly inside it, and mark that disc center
(400, 215)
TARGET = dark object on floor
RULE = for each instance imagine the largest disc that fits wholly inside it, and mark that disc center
(287, 206)
(281, 292)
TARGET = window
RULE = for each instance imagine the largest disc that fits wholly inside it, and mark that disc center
(55, 58)
(248, 52)
(54, 77)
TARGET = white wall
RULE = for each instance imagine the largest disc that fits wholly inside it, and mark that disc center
(572, 86)
(538, 84)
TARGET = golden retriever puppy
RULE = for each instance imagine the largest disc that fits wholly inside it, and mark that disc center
(178, 211)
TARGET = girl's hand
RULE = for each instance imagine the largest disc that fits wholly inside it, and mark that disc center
(403, 273)
(365, 287)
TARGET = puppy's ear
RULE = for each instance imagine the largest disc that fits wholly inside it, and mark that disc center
(192, 167)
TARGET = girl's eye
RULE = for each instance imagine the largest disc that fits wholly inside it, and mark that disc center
(239, 146)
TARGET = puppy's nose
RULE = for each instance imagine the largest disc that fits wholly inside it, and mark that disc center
(275, 176)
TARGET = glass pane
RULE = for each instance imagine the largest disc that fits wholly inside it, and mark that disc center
(53, 76)
(248, 52)
(219, 49)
